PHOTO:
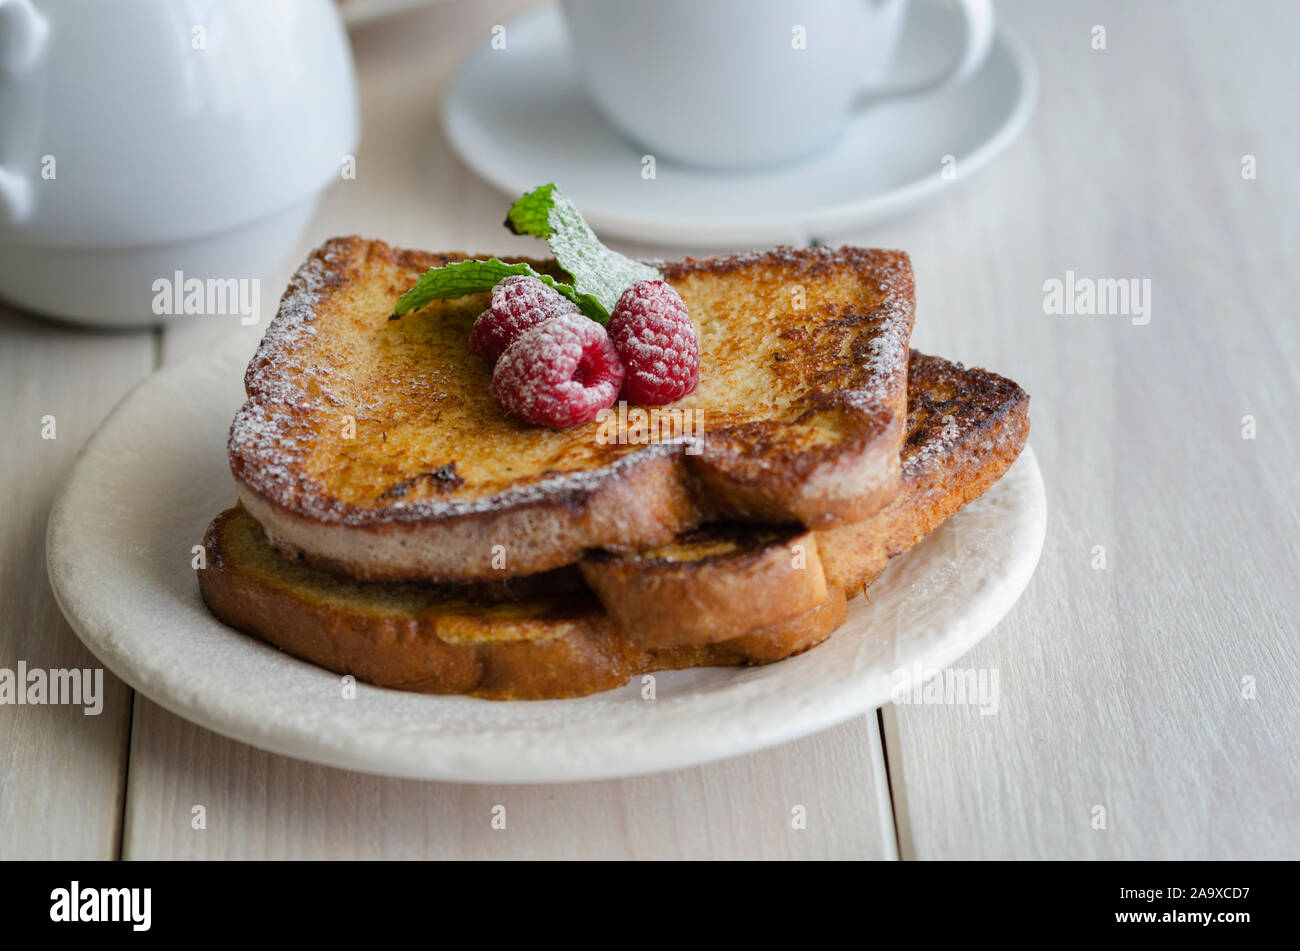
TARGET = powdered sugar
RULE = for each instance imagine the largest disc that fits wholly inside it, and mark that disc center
(880, 371)
(950, 406)
(560, 373)
(653, 335)
(264, 450)
(518, 303)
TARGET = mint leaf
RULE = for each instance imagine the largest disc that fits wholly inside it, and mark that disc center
(462, 278)
(600, 276)
(546, 212)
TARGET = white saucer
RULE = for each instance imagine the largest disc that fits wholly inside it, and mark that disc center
(519, 118)
(146, 485)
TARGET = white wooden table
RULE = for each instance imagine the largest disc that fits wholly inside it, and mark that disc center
(1121, 687)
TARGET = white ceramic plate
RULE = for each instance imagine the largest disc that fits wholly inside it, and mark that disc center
(147, 484)
(519, 118)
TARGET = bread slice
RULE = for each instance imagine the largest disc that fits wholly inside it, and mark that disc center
(964, 429)
(414, 637)
(374, 447)
(712, 584)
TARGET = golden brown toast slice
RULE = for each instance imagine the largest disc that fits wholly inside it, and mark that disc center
(964, 429)
(414, 637)
(710, 584)
(375, 448)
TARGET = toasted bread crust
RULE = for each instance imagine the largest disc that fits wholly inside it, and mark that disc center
(734, 579)
(964, 429)
(766, 644)
(792, 431)
(774, 642)
(413, 637)
(420, 643)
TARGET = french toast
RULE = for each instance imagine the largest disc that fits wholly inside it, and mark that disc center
(414, 637)
(373, 447)
(964, 429)
(710, 584)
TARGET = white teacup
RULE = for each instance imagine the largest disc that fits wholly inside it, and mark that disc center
(747, 83)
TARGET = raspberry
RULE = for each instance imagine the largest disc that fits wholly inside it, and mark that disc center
(656, 341)
(559, 373)
(518, 303)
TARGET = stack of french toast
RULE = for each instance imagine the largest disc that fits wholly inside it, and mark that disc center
(395, 524)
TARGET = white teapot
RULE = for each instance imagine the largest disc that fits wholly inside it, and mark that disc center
(142, 139)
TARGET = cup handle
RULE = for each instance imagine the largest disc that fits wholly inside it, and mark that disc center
(22, 41)
(979, 26)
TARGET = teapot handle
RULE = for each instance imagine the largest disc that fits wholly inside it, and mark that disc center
(23, 32)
